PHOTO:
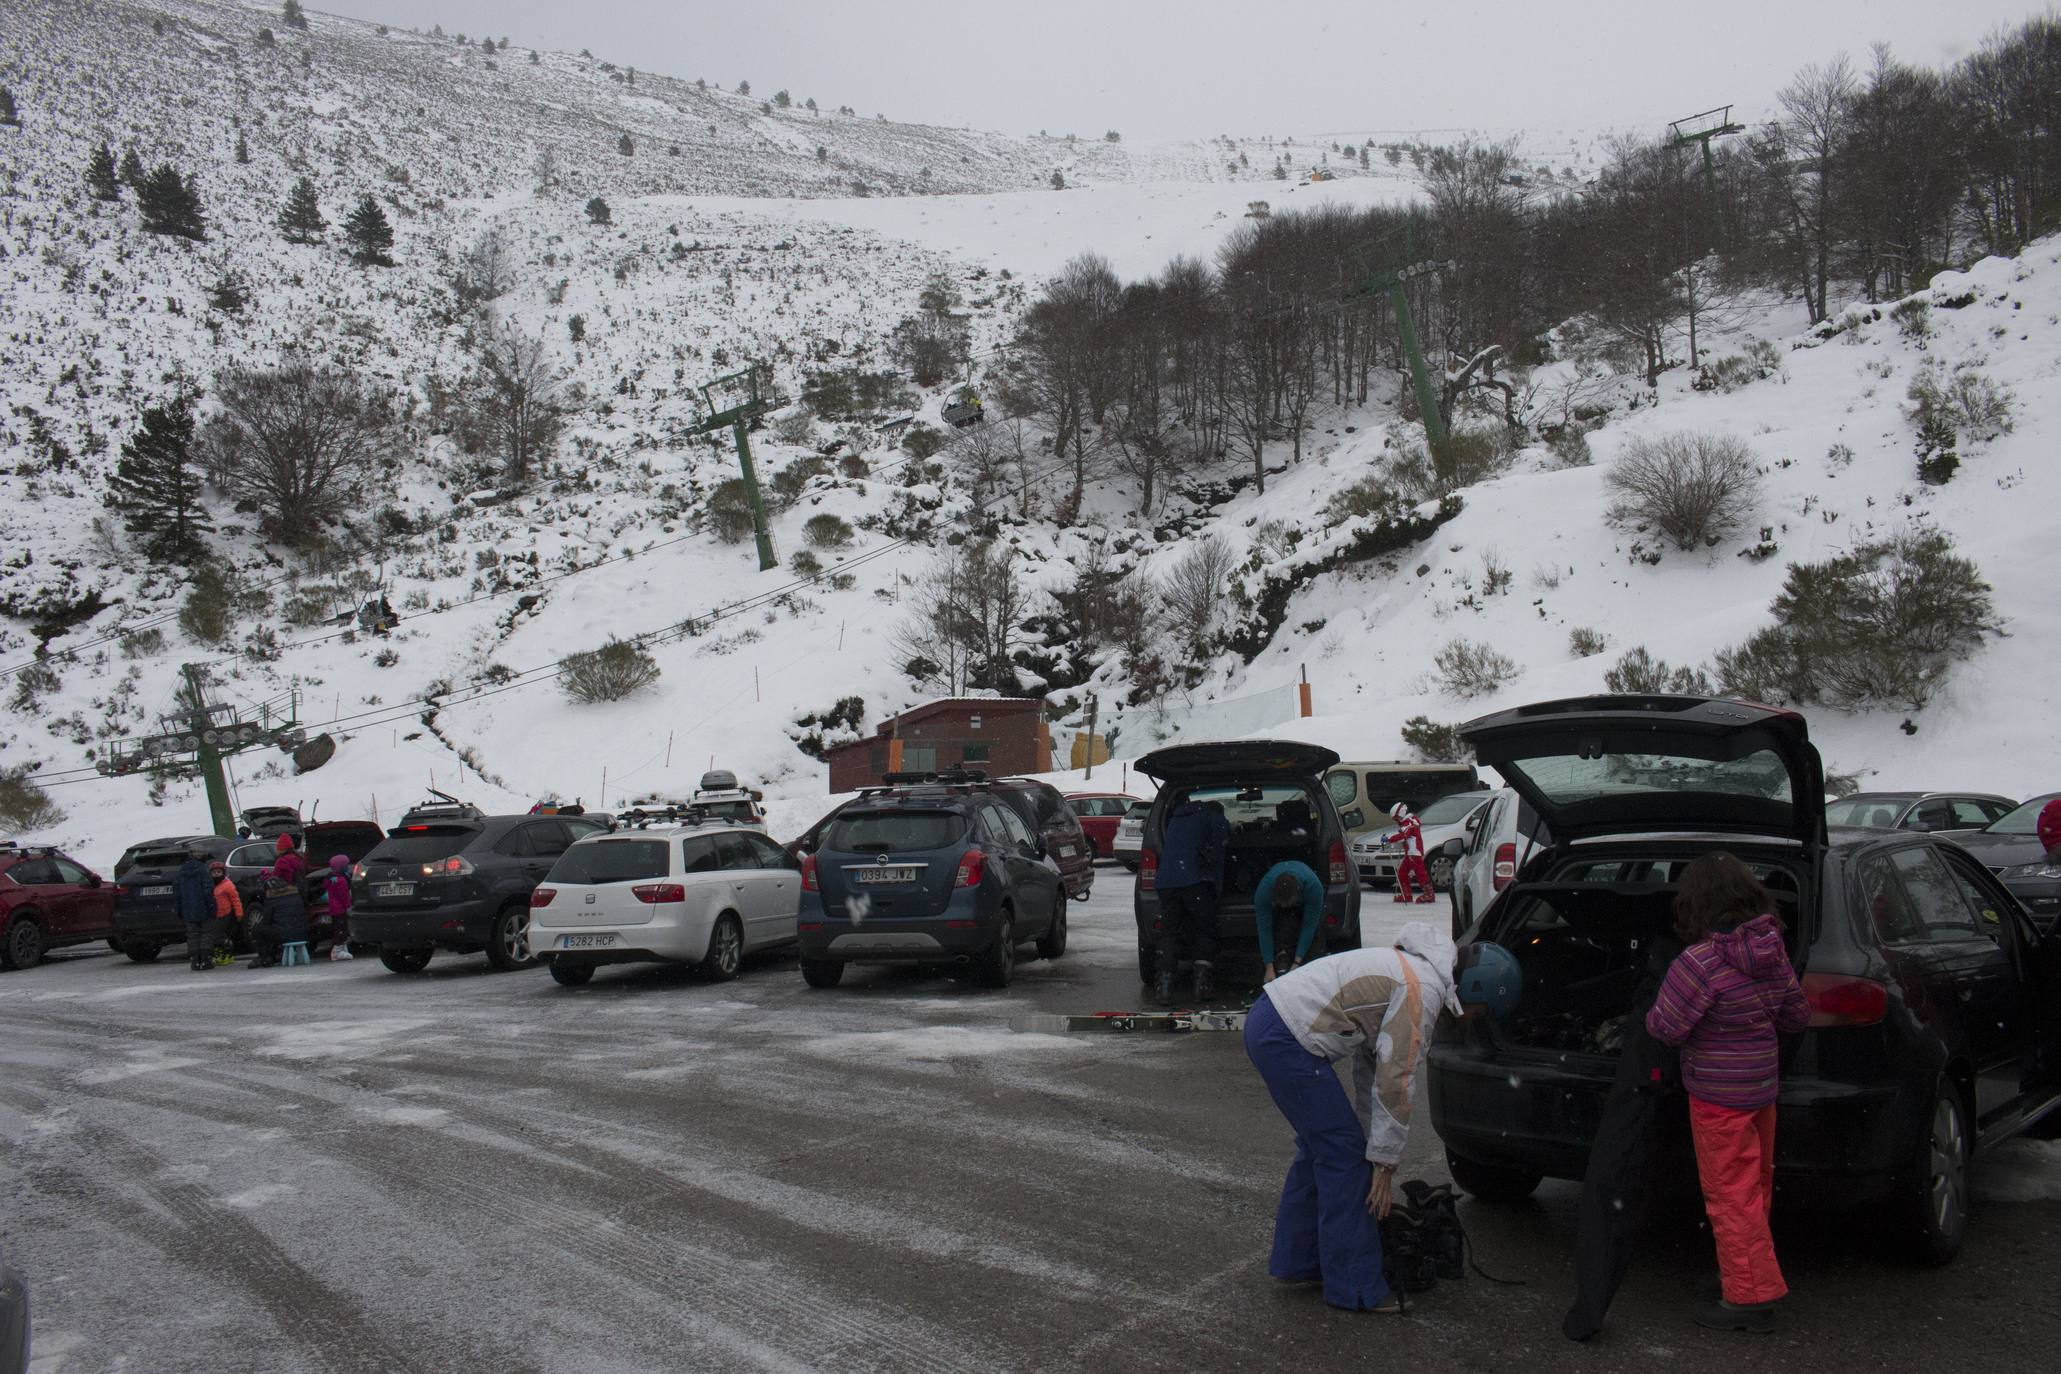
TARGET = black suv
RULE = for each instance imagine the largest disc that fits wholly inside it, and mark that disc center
(1044, 809)
(450, 877)
(1935, 1030)
(1274, 799)
(146, 915)
(939, 872)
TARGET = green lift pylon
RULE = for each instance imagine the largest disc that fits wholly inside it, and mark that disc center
(734, 401)
(1391, 282)
(210, 734)
(1700, 129)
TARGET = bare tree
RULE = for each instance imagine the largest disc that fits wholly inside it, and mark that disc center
(1193, 597)
(301, 442)
(486, 272)
(515, 410)
(965, 621)
(1816, 107)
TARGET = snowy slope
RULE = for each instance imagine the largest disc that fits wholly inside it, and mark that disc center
(727, 253)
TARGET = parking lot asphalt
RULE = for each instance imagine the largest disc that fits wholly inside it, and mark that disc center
(338, 1169)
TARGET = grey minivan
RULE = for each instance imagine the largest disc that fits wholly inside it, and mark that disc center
(1274, 797)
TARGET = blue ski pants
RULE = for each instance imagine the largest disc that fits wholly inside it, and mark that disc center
(1321, 1229)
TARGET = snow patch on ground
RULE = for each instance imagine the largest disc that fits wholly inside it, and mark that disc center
(335, 1039)
(151, 1059)
(2020, 1171)
(938, 1044)
(263, 1195)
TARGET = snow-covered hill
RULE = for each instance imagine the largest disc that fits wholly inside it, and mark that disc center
(746, 245)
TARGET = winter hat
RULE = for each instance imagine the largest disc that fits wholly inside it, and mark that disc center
(1398, 811)
(285, 843)
(2050, 825)
(338, 862)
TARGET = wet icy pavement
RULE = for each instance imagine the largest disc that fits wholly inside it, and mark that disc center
(337, 1169)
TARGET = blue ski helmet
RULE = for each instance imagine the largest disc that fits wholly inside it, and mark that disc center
(1489, 977)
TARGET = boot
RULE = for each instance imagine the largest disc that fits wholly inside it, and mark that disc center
(1163, 987)
(1205, 980)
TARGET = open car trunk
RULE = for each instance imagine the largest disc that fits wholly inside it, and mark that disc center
(1584, 940)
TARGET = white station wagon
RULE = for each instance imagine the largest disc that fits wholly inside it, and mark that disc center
(704, 894)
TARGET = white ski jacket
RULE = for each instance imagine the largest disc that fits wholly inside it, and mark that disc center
(1376, 1007)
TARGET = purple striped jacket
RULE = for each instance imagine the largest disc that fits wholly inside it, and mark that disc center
(1723, 1001)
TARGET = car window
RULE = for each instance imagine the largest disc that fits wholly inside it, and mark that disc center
(547, 838)
(1979, 900)
(33, 872)
(1882, 897)
(415, 843)
(252, 856)
(1019, 833)
(2023, 819)
(1447, 810)
(1969, 814)
(68, 872)
(698, 854)
(515, 844)
(994, 831)
(611, 861)
(1942, 912)
(1343, 787)
(770, 855)
(734, 853)
(1932, 814)
(1995, 811)
(580, 829)
(1050, 808)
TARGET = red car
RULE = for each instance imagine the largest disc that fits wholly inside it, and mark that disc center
(1100, 814)
(48, 899)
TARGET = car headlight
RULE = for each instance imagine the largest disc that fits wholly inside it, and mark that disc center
(2043, 868)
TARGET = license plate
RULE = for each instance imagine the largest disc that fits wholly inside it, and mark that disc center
(153, 891)
(885, 875)
(393, 889)
(585, 941)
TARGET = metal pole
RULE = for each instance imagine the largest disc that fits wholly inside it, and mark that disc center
(758, 502)
(1420, 375)
(221, 814)
(1091, 737)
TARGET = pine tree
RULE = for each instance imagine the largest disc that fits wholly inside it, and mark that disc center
(7, 112)
(598, 211)
(171, 204)
(100, 175)
(1058, 180)
(301, 221)
(370, 234)
(624, 146)
(156, 486)
(242, 148)
(132, 170)
(292, 15)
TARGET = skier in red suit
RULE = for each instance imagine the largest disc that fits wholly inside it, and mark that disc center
(1411, 834)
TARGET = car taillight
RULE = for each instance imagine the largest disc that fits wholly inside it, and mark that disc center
(1339, 872)
(358, 872)
(1506, 865)
(972, 864)
(457, 866)
(542, 896)
(1840, 1000)
(809, 874)
(1148, 867)
(654, 893)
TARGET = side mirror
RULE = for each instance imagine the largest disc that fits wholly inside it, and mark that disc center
(92, 880)
(1353, 819)
(1453, 848)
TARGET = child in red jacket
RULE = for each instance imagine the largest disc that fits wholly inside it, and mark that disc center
(1723, 1001)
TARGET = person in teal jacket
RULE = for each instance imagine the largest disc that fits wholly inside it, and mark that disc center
(1281, 890)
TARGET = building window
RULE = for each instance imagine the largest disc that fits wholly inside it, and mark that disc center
(919, 758)
(974, 753)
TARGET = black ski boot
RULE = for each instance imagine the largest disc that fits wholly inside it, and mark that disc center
(1205, 980)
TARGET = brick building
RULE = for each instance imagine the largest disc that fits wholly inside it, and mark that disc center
(998, 735)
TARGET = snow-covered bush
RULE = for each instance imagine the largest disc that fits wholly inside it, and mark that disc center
(1435, 741)
(1695, 488)
(1368, 496)
(804, 564)
(23, 805)
(1583, 642)
(1467, 670)
(1881, 626)
(615, 670)
(1641, 674)
(729, 511)
(1569, 446)
(827, 531)
(1977, 408)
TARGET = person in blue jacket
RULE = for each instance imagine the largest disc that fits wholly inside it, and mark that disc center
(1285, 889)
(193, 895)
(1191, 873)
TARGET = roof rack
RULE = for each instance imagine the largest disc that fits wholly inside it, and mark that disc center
(640, 818)
(946, 777)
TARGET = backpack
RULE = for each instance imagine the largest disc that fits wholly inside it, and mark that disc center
(1422, 1240)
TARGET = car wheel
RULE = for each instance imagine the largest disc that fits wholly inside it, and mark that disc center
(1489, 1182)
(23, 947)
(1052, 943)
(1148, 963)
(997, 966)
(405, 960)
(1937, 1193)
(1130, 865)
(725, 951)
(569, 975)
(1441, 875)
(142, 951)
(508, 943)
(822, 973)
(115, 944)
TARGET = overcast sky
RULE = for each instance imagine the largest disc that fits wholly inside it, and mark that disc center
(1195, 68)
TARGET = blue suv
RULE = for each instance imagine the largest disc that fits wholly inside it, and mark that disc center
(936, 872)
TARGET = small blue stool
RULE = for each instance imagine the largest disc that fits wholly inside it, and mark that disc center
(293, 952)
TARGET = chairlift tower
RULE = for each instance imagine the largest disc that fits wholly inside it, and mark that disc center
(1390, 281)
(1701, 130)
(209, 734)
(734, 401)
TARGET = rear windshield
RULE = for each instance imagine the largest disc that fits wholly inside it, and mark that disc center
(895, 832)
(611, 861)
(1446, 810)
(412, 844)
(1417, 790)
(354, 842)
(1565, 779)
(730, 810)
(2025, 820)
(1253, 807)
(159, 858)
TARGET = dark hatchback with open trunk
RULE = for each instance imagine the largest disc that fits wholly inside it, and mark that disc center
(1936, 1004)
